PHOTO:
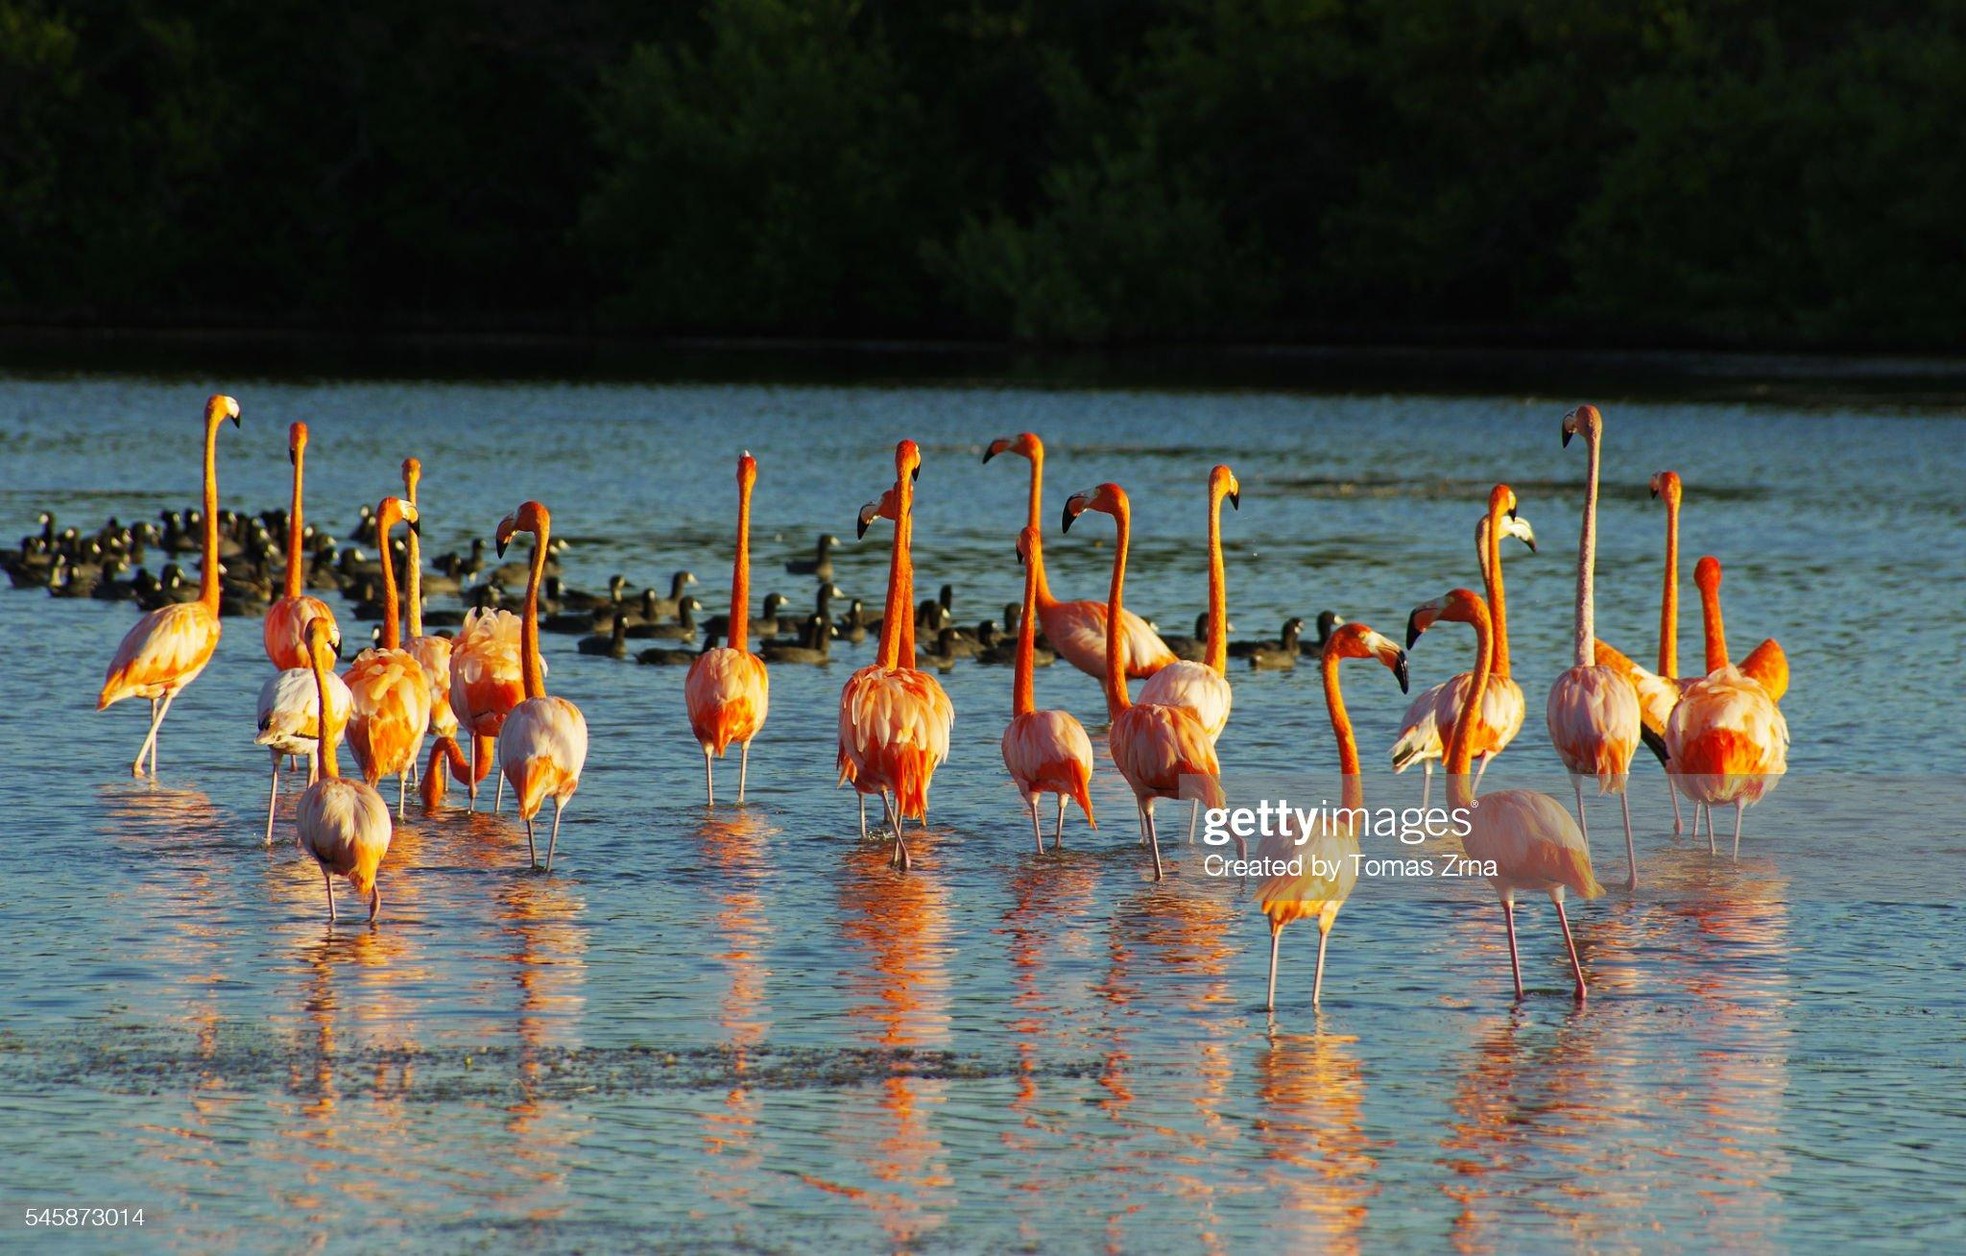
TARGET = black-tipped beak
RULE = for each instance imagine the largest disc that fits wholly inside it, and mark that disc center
(416, 527)
(1512, 512)
(988, 454)
(859, 529)
(500, 547)
(1399, 669)
(1066, 526)
(1235, 499)
(1531, 545)
(1567, 434)
(236, 422)
(915, 474)
(1413, 629)
(1655, 492)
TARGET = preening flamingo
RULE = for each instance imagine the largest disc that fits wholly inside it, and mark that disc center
(166, 649)
(1529, 837)
(1327, 873)
(1044, 751)
(290, 715)
(487, 681)
(344, 825)
(728, 690)
(432, 653)
(1424, 731)
(895, 720)
(1204, 687)
(1592, 711)
(542, 744)
(284, 630)
(392, 696)
(1162, 751)
(1077, 630)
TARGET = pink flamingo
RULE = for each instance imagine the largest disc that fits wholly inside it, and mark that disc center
(392, 697)
(1077, 630)
(1528, 837)
(284, 631)
(1316, 891)
(290, 718)
(344, 825)
(166, 649)
(542, 744)
(1593, 711)
(1044, 751)
(728, 690)
(432, 653)
(1162, 751)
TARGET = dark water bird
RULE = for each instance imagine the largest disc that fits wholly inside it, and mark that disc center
(853, 624)
(1193, 649)
(463, 567)
(679, 582)
(579, 600)
(1279, 655)
(170, 588)
(821, 562)
(812, 646)
(1327, 622)
(684, 629)
(943, 654)
(611, 644)
(669, 656)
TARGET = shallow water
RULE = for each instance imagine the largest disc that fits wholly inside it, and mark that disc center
(743, 1030)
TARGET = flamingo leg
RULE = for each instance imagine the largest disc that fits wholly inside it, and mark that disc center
(863, 816)
(375, 902)
(709, 777)
(1317, 983)
(1058, 838)
(328, 881)
(1576, 967)
(1515, 960)
(1631, 848)
(1153, 837)
(743, 768)
(313, 768)
(1276, 936)
(155, 740)
(532, 851)
(1427, 784)
(1740, 808)
(273, 798)
(1577, 783)
(474, 773)
(1194, 819)
(498, 795)
(1036, 832)
(901, 859)
(553, 839)
(402, 792)
(1708, 812)
(1480, 771)
(1678, 826)
(149, 738)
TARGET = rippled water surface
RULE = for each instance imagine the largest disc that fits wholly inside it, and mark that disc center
(742, 1030)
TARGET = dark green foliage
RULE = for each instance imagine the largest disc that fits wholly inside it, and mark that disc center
(1077, 171)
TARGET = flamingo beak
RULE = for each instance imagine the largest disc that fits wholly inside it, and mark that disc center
(915, 474)
(996, 447)
(1066, 526)
(1414, 627)
(1235, 498)
(1399, 670)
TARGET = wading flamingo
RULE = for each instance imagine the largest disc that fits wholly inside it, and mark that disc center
(543, 743)
(1204, 687)
(1162, 751)
(166, 649)
(487, 681)
(728, 690)
(1326, 876)
(1044, 751)
(284, 630)
(1593, 711)
(1077, 630)
(432, 653)
(392, 697)
(289, 718)
(895, 721)
(1423, 733)
(344, 825)
(1529, 837)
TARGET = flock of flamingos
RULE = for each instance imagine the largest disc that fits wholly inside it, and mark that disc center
(1719, 734)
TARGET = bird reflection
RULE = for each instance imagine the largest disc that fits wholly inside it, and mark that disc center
(546, 947)
(1312, 1091)
(734, 842)
(1047, 897)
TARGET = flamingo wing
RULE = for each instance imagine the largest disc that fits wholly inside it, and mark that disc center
(1196, 686)
(1594, 723)
(728, 695)
(163, 652)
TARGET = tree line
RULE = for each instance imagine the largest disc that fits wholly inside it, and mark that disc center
(1055, 171)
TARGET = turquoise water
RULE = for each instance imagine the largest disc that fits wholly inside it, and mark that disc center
(742, 1030)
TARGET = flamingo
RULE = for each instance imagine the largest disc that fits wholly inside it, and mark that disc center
(1314, 892)
(1204, 687)
(289, 718)
(1592, 711)
(1527, 836)
(284, 631)
(1044, 751)
(895, 720)
(1077, 630)
(487, 681)
(392, 696)
(166, 649)
(344, 825)
(728, 690)
(1423, 733)
(542, 744)
(1159, 749)
(433, 654)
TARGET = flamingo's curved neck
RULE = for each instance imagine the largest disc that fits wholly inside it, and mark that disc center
(392, 610)
(1715, 626)
(740, 576)
(294, 526)
(531, 670)
(1498, 602)
(1460, 749)
(1035, 519)
(905, 529)
(1023, 689)
(1669, 603)
(413, 566)
(1587, 553)
(1341, 727)
(890, 648)
(1217, 655)
(1117, 699)
(208, 578)
(324, 726)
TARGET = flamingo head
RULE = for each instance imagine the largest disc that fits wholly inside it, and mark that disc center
(323, 642)
(1222, 483)
(908, 461)
(747, 471)
(886, 506)
(1501, 500)
(1584, 421)
(1107, 499)
(1457, 606)
(1357, 641)
(296, 441)
(220, 408)
(412, 476)
(1706, 574)
(529, 517)
(1518, 527)
(390, 512)
(1666, 484)
(1030, 546)
(1024, 445)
